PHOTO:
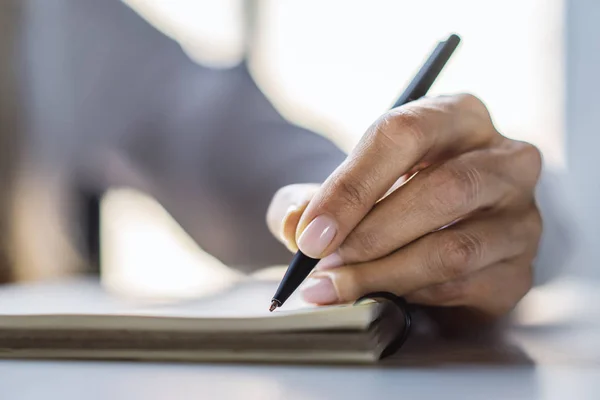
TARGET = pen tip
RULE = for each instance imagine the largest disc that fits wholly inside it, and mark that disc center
(274, 305)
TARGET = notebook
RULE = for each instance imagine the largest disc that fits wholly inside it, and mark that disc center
(77, 319)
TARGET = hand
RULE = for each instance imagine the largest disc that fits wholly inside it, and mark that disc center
(433, 204)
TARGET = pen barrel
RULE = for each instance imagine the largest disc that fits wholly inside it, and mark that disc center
(430, 70)
(300, 267)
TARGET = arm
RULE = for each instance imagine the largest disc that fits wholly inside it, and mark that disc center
(206, 143)
(222, 174)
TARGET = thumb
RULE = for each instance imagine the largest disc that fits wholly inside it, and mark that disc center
(285, 211)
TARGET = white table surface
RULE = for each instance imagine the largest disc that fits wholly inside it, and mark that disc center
(89, 380)
(561, 361)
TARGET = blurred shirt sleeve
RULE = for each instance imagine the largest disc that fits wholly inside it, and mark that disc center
(114, 102)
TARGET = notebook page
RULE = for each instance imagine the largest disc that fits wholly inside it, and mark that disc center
(244, 307)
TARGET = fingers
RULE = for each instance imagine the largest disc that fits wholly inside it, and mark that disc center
(285, 211)
(442, 194)
(436, 258)
(417, 133)
(494, 290)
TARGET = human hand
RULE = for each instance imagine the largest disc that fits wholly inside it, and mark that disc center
(433, 204)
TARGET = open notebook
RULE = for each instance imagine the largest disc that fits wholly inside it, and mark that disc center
(77, 319)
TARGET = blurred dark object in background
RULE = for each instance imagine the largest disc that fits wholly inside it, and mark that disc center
(9, 128)
(90, 217)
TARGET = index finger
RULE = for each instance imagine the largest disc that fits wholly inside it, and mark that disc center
(422, 131)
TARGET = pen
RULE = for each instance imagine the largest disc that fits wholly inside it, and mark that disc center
(302, 265)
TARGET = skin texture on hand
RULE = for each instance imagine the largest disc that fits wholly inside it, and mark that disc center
(433, 204)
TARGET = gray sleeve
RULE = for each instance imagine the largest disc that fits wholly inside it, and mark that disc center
(219, 171)
(205, 142)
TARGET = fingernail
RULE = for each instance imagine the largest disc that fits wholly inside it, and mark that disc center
(317, 236)
(319, 290)
(331, 261)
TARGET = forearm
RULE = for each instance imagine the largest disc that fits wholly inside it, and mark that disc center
(205, 142)
(288, 155)
(224, 169)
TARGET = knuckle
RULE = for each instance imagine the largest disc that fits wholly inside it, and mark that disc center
(362, 246)
(467, 181)
(353, 193)
(459, 188)
(525, 161)
(537, 221)
(532, 153)
(459, 253)
(533, 160)
(352, 283)
(450, 293)
(470, 101)
(401, 128)
(472, 104)
(534, 227)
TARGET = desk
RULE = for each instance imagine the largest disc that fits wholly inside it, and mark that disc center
(88, 380)
(564, 364)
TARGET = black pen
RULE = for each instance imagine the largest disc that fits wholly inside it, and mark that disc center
(302, 265)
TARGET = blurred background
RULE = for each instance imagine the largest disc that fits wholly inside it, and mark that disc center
(333, 67)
